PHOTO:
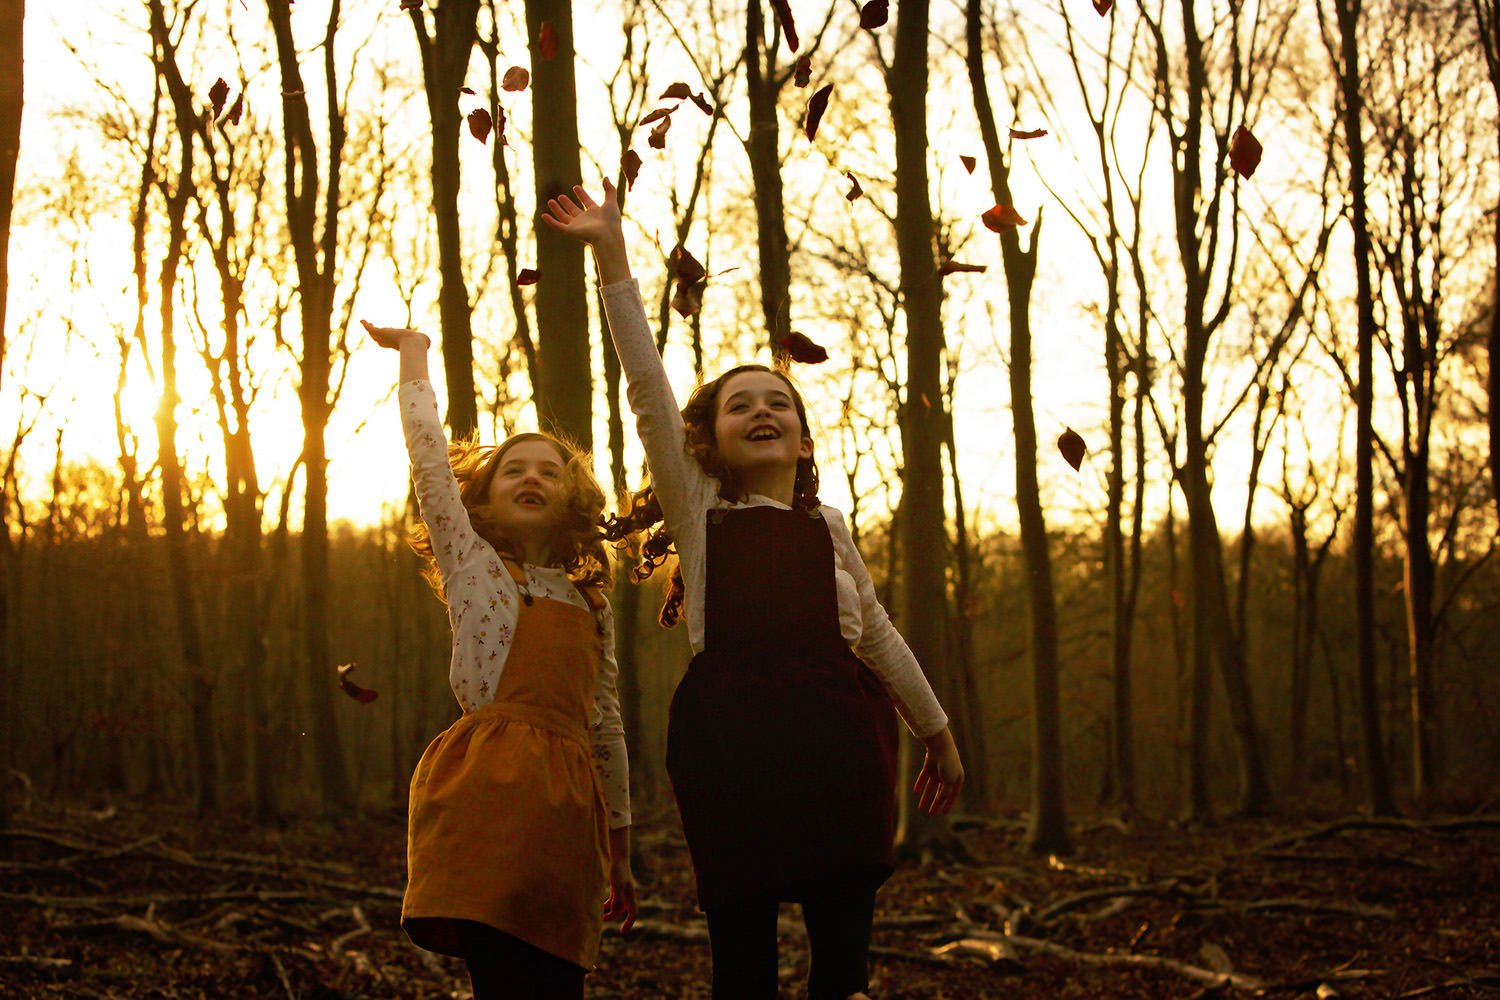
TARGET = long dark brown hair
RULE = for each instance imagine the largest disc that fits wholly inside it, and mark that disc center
(644, 509)
(578, 543)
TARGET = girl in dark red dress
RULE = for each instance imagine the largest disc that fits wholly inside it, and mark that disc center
(781, 734)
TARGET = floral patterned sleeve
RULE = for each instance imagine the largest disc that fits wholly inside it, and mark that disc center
(454, 541)
(607, 730)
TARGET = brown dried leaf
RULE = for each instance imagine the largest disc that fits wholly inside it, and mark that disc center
(803, 75)
(969, 163)
(676, 92)
(1072, 447)
(658, 137)
(702, 101)
(1244, 152)
(218, 94)
(874, 14)
(685, 266)
(815, 109)
(855, 191)
(801, 349)
(360, 694)
(527, 276)
(1103, 6)
(480, 124)
(1035, 133)
(955, 267)
(656, 115)
(515, 79)
(631, 164)
(788, 26)
(1001, 218)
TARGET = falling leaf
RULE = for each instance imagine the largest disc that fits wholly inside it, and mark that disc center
(815, 109)
(480, 123)
(360, 694)
(955, 267)
(676, 92)
(702, 101)
(803, 350)
(549, 42)
(855, 191)
(688, 299)
(1244, 152)
(466, 90)
(685, 266)
(217, 94)
(527, 276)
(500, 127)
(656, 115)
(1035, 133)
(803, 75)
(1103, 6)
(968, 162)
(1001, 218)
(783, 11)
(1072, 447)
(236, 109)
(658, 137)
(875, 13)
(515, 79)
(631, 164)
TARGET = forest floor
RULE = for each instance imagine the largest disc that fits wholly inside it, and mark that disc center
(147, 901)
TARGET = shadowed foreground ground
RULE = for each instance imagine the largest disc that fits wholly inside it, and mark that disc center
(140, 901)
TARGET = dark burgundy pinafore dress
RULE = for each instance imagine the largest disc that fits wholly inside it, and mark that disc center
(781, 741)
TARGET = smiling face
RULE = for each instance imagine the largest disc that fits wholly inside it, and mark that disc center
(528, 495)
(757, 430)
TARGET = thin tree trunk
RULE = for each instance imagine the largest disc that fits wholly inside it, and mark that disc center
(445, 60)
(12, 20)
(1378, 797)
(565, 394)
(1048, 830)
(924, 538)
(314, 259)
(764, 80)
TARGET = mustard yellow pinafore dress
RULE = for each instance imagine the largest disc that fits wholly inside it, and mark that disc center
(507, 824)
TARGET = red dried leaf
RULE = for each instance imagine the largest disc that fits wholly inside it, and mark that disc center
(702, 101)
(218, 94)
(515, 79)
(1035, 133)
(631, 164)
(549, 42)
(527, 276)
(500, 127)
(955, 267)
(676, 92)
(236, 109)
(856, 191)
(480, 124)
(969, 162)
(1244, 152)
(875, 13)
(815, 109)
(466, 90)
(784, 15)
(1072, 447)
(688, 298)
(360, 694)
(803, 76)
(685, 266)
(1001, 218)
(658, 137)
(1103, 6)
(656, 115)
(802, 350)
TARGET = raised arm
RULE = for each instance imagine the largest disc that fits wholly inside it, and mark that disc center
(680, 483)
(454, 541)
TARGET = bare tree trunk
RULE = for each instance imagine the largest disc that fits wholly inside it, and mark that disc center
(12, 20)
(1378, 797)
(565, 392)
(1048, 832)
(315, 261)
(924, 540)
(1489, 39)
(445, 60)
(764, 80)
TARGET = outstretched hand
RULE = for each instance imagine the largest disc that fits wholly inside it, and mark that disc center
(393, 336)
(587, 221)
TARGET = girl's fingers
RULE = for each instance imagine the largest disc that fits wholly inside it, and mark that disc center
(583, 197)
(609, 190)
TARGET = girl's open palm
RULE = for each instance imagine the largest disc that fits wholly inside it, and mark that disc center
(587, 221)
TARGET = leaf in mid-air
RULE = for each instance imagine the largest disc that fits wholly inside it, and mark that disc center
(658, 137)
(1072, 447)
(855, 191)
(677, 92)
(515, 79)
(801, 349)
(1001, 218)
(955, 267)
(1103, 6)
(360, 694)
(1035, 133)
(874, 13)
(815, 109)
(969, 163)
(218, 94)
(783, 11)
(803, 74)
(548, 43)
(527, 276)
(480, 124)
(631, 164)
(1244, 152)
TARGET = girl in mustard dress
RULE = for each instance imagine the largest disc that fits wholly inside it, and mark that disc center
(519, 815)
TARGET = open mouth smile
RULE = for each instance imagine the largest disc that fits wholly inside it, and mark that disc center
(530, 498)
(764, 434)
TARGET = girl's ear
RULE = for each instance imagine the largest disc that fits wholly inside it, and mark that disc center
(806, 450)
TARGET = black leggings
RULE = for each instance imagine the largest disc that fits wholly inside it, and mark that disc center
(743, 940)
(503, 967)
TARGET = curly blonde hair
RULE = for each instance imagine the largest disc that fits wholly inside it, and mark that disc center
(578, 543)
(644, 509)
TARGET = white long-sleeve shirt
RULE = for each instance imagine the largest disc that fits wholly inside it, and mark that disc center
(687, 494)
(483, 600)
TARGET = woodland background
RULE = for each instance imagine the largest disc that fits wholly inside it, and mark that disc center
(1271, 584)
